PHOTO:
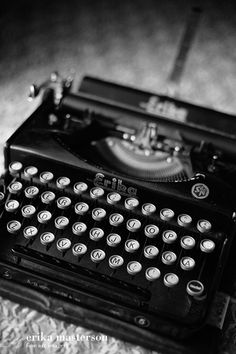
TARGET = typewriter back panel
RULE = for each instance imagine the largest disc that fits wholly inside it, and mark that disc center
(159, 105)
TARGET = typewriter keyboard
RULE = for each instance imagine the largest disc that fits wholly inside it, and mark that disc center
(155, 245)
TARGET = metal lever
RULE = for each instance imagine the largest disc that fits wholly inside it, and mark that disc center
(56, 83)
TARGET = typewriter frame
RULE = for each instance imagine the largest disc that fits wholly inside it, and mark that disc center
(50, 303)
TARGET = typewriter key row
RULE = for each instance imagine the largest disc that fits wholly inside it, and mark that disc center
(193, 288)
(115, 219)
(96, 233)
(113, 239)
(130, 203)
(98, 214)
(115, 261)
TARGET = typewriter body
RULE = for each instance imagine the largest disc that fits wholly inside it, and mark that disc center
(120, 202)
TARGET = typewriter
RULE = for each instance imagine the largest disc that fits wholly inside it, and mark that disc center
(121, 205)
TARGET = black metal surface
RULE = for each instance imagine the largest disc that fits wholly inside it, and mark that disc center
(170, 311)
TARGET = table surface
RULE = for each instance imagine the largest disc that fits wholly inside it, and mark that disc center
(130, 42)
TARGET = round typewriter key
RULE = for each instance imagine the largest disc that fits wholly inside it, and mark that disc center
(168, 257)
(97, 255)
(116, 219)
(169, 236)
(148, 209)
(28, 211)
(96, 192)
(115, 261)
(171, 279)
(113, 240)
(131, 245)
(195, 288)
(15, 187)
(98, 214)
(131, 203)
(30, 232)
(152, 273)
(15, 167)
(78, 228)
(62, 182)
(2, 196)
(31, 192)
(80, 187)
(150, 251)
(46, 177)
(204, 226)
(96, 234)
(47, 197)
(44, 216)
(12, 205)
(133, 225)
(63, 244)
(79, 249)
(151, 231)
(30, 171)
(113, 198)
(134, 267)
(63, 203)
(166, 214)
(187, 242)
(207, 246)
(61, 222)
(81, 208)
(187, 263)
(46, 238)
(13, 226)
(184, 220)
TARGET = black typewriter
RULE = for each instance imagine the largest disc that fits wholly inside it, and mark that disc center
(119, 203)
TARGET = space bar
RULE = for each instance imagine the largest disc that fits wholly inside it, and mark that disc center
(89, 280)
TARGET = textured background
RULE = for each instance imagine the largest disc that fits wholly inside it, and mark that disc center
(131, 41)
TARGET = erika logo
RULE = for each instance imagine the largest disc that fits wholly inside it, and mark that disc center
(115, 184)
(165, 108)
